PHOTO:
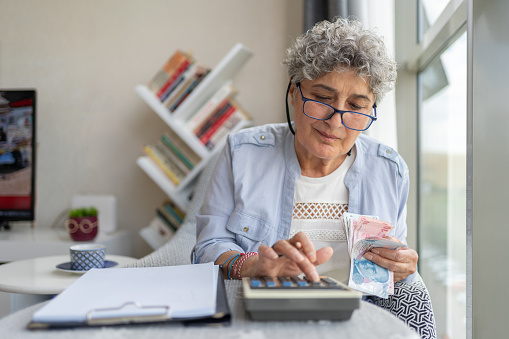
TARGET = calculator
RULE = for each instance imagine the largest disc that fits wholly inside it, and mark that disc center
(294, 298)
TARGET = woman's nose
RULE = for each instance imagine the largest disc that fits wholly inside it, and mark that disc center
(335, 121)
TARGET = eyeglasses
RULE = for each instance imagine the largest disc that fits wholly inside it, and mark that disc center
(321, 111)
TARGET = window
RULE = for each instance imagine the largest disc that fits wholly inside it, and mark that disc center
(442, 186)
(432, 46)
(430, 11)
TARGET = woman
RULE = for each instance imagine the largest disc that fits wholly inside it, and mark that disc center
(275, 201)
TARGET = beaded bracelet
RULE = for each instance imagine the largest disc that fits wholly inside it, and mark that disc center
(234, 257)
(221, 266)
(231, 264)
(238, 264)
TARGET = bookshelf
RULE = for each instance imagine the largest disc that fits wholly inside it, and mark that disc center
(220, 75)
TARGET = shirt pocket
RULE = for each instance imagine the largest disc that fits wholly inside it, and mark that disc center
(248, 229)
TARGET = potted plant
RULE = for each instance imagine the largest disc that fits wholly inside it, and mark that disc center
(82, 224)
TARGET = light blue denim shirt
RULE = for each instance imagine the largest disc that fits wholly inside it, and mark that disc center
(249, 200)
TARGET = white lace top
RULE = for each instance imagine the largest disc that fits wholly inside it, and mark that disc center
(318, 206)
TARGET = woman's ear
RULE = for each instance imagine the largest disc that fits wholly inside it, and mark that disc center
(291, 92)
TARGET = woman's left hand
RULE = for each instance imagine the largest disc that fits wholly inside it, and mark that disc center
(403, 262)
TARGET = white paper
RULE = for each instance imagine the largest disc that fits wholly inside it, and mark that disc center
(188, 290)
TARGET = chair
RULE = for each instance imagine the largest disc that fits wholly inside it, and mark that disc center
(412, 304)
(177, 251)
(411, 301)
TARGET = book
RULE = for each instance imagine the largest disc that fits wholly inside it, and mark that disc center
(171, 145)
(204, 138)
(170, 214)
(187, 92)
(191, 80)
(224, 92)
(176, 78)
(171, 209)
(188, 156)
(177, 210)
(216, 115)
(172, 157)
(162, 77)
(227, 127)
(168, 168)
(183, 80)
(174, 167)
(167, 219)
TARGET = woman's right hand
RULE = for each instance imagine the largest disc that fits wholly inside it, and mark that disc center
(287, 258)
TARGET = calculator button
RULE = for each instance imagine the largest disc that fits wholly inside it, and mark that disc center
(269, 282)
(329, 281)
(300, 282)
(285, 282)
(255, 282)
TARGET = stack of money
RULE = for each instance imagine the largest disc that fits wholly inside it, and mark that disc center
(364, 233)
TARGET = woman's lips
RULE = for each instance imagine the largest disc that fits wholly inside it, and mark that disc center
(327, 136)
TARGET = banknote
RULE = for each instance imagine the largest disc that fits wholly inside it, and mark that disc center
(364, 245)
(350, 221)
(363, 234)
(368, 227)
(368, 277)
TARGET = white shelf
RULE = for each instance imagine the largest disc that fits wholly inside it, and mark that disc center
(177, 193)
(178, 126)
(221, 74)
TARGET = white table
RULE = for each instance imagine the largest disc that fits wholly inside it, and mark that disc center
(34, 280)
(368, 322)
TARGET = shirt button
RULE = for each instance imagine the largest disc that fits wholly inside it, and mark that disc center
(388, 151)
(246, 229)
(262, 138)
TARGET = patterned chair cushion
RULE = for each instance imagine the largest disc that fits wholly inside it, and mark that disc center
(412, 304)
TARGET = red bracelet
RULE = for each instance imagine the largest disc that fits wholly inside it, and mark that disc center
(240, 262)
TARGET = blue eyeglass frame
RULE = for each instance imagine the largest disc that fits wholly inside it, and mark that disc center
(335, 110)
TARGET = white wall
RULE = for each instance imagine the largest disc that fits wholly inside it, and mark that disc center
(85, 57)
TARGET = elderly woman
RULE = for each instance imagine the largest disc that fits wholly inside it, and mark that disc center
(275, 200)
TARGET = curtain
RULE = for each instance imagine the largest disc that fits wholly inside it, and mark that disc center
(318, 10)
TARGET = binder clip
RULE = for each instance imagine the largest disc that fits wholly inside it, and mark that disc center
(130, 312)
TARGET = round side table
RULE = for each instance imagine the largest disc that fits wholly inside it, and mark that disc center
(31, 281)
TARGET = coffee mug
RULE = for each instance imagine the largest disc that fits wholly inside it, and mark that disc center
(87, 256)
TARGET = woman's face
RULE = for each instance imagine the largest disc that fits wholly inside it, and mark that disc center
(329, 139)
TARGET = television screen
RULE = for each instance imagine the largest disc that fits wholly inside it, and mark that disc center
(17, 155)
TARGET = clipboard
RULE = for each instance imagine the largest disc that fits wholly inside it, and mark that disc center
(135, 312)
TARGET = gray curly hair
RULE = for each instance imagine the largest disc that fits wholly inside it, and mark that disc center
(338, 45)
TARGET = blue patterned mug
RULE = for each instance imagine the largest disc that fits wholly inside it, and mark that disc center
(87, 256)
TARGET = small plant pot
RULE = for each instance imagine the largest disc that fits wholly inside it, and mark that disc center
(82, 228)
